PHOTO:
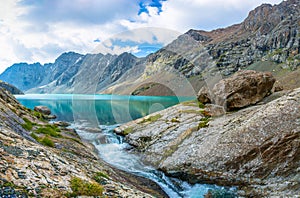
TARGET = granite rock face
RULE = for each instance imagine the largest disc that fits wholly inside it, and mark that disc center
(256, 148)
(242, 89)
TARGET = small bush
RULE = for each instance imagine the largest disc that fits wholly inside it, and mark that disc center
(28, 125)
(202, 125)
(46, 141)
(34, 136)
(100, 178)
(203, 122)
(174, 120)
(54, 127)
(49, 130)
(80, 187)
(38, 115)
(201, 105)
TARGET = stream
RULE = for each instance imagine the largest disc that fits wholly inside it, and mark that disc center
(106, 112)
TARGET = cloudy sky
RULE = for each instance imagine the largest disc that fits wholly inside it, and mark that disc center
(40, 30)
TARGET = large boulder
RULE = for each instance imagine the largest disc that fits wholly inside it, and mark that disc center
(43, 110)
(242, 89)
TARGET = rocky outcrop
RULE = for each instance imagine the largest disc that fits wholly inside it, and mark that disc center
(12, 89)
(45, 112)
(242, 89)
(256, 149)
(268, 33)
(43, 109)
(38, 159)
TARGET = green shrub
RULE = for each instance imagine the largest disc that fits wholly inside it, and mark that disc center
(174, 120)
(49, 130)
(80, 187)
(127, 130)
(100, 178)
(28, 125)
(38, 115)
(201, 105)
(34, 136)
(54, 127)
(203, 122)
(46, 141)
(202, 125)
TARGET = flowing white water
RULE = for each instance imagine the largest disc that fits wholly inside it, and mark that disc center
(113, 150)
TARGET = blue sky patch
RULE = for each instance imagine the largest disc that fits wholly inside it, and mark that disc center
(152, 3)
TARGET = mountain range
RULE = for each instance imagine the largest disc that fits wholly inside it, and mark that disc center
(267, 40)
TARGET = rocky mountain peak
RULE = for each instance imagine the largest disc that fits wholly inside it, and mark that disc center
(266, 16)
(66, 56)
(198, 36)
(23, 75)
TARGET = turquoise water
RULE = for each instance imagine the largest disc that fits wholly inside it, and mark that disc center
(107, 112)
(100, 109)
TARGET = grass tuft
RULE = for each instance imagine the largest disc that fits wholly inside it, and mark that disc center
(46, 141)
(83, 188)
(175, 120)
(100, 178)
(127, 130)
(203, 123)
(151, 118)
(51, 130)
(28, 125)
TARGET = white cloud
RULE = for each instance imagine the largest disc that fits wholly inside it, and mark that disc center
(182, 15)
(134, 38)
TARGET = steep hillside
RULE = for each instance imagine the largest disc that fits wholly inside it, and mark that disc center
(38, 159)
(12, 89)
